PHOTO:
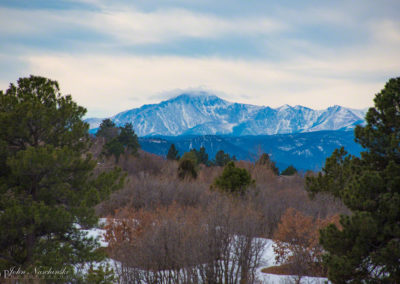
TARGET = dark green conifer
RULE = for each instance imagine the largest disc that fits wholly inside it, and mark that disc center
(201, 155)
(367, 248)
(107, 129)
(265, 160)
(289, 171)
(47, 187)
(187, 169)
(173, 153)
(233, 180)
(126, 140)
(222, 158)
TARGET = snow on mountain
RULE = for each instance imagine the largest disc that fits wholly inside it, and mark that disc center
(203, 114)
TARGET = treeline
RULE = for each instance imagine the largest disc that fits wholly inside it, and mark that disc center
(121, 139)
(194, 157)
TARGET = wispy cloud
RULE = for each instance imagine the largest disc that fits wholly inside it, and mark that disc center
(130, 26)
(122, 82)
(114, 55)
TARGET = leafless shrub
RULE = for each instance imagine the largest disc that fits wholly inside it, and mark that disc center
(187, 245)
(297, 243)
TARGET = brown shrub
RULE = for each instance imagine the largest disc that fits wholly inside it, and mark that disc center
(185, 244)
(297, 243)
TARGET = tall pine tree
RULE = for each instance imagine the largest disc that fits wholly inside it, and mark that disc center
(128, 138)
(173, 153)
(367, 248)
(47, 185)
(125, 140)
(107, 129)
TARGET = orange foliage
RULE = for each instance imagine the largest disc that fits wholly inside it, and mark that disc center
(297, 242)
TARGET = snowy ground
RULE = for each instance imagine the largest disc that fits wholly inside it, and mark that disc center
(268, 259)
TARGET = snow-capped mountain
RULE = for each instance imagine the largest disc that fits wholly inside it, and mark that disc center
(205, 114)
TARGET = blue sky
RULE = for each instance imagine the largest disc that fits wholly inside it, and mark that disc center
(116, 55)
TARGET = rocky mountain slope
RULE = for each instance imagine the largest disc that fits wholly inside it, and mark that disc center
(205, 114)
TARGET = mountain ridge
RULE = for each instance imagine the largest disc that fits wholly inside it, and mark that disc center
(207, 114)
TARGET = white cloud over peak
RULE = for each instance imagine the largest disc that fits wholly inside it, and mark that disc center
(123, 82)
(115, 55)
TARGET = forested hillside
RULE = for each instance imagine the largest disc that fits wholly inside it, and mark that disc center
(306, 151)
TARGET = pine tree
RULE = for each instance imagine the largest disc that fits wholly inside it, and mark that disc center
(173, 153)
(222, 158)
(107, 129)
(265, 160)
(233, 180)
(367, 248)
(191, 156)
(126, 140)
(188, 166)
(113, 148)
(47, 188)
(202, 156)
(289, 171)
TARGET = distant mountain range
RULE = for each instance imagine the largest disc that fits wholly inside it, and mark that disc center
(205, 114)
(305, 151)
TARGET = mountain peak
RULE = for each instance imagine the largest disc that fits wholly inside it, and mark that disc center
(195, 95)
(335, 107)
(202, 113)
(284, 107)
(199, 98)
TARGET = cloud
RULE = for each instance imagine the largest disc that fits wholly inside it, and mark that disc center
(386, 32)
(115, 55)
(130, 26)
(133, 27)
(109, 84)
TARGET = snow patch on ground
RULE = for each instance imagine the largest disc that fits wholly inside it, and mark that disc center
(98, 234)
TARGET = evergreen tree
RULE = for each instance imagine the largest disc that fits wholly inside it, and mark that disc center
(107, 129)
(264, 160)
(289, 171)
(191, 156)
(222, 158)
(201, 155)
(125, 141)
(367, 248)
(47, 188)
(173, 153)
(129, 139)
(187, 166)
(113, 148)
(233, 180)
